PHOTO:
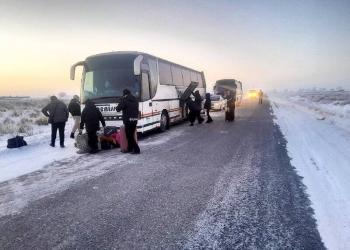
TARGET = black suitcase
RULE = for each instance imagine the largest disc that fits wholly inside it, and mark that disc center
(16, 142)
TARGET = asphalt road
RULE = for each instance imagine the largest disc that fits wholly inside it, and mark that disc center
(219, 185)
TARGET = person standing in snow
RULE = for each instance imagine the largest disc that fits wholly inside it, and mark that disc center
(207, 107)
(129, 105)
(75, 110)
(91, 118)
(57, 112)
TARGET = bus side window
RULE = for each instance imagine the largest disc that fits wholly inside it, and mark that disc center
(145, 87)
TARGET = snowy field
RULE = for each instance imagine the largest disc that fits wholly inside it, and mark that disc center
(316, 125)
(23, 117)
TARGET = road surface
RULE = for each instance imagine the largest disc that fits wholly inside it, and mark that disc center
(219, 185)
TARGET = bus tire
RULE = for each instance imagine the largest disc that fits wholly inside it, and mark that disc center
(164, 122)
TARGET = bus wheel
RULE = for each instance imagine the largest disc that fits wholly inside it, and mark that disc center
(164, 122)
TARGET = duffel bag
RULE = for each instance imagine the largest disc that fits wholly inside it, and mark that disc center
(109, 130)
(16, 142)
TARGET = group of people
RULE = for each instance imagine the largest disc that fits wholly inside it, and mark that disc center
(90, 118)
(195, 107)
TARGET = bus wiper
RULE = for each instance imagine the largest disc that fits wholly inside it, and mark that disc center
(103, 97)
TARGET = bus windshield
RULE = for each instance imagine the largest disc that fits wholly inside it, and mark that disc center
(106, 78)
(110, 83)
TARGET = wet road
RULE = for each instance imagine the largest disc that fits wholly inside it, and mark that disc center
(220, 185)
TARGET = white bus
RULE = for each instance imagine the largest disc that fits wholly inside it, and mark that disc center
(221, 85)
(157, 83)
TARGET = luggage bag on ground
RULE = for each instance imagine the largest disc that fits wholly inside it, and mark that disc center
(123, 140)
(81, 142)
(16, 142)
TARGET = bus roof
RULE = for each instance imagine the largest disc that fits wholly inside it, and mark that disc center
(226, 82)
(137, 53)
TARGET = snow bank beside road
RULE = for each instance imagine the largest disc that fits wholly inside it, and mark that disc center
(333, 106)
(320, 151)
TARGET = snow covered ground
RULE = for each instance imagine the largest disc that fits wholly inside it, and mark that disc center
(23, 117)
(48, 170)
(317, 128)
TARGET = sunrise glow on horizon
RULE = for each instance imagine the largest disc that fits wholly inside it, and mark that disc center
(268, 45)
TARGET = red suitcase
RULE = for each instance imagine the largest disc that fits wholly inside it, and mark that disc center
(123, 140)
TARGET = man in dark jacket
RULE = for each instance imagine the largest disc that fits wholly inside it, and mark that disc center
(198, 101)
(231, 106)
(129, 105)
(75, 110)
(57, 112)
(207, 107)
(193, 109)
(91, 118)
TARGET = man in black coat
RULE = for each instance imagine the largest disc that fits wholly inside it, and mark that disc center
(193, 109)
(57, 113)
(231, 106)
(207, 107)
(91, 118)
(198, 101)
(129, 105)
(75, 110)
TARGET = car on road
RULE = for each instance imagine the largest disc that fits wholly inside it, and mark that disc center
(253, 93)
(218, 102)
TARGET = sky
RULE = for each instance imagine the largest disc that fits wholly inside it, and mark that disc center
(265, 44)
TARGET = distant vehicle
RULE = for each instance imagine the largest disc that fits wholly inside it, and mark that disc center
(229, 84)
(253, 93)
(218, 102)
(157, 83)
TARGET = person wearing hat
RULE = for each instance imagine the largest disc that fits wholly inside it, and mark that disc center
(75, 111)
(129, 105)
(57, 112)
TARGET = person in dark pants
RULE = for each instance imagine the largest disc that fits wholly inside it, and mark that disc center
(75, 111)
(207, 107)
(198, 101)
(231, 106)
(193, 108)
(129, 105)
(91, 118)
(261, 94)
(57, 112)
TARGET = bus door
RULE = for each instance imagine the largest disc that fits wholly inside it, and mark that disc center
(147, 106)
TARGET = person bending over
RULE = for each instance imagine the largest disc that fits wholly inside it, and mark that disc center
(91, 118)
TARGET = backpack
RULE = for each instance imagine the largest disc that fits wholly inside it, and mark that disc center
(16, 142)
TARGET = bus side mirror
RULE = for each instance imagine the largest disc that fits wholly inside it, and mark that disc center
(137, 65)
(72, 69)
